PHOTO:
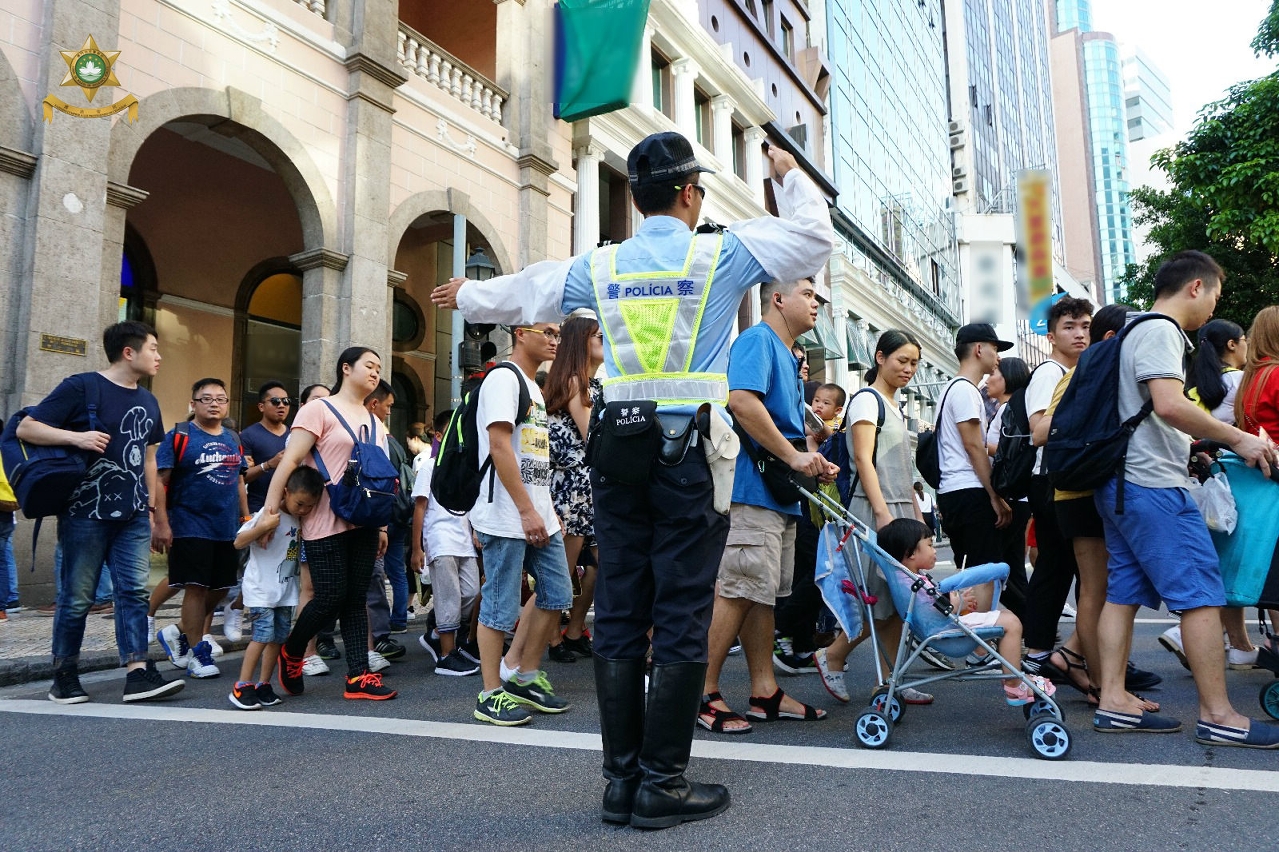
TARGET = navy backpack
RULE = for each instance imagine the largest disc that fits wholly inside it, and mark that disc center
(366, 494)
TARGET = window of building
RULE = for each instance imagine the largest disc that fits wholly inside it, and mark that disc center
(272, 338)
(702, 117)
(615, 206)
(766, 16)
(663, 93)
(750, 7)
(788, 40)
(408, 324)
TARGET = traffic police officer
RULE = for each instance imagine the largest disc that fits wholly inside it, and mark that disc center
(667, 301)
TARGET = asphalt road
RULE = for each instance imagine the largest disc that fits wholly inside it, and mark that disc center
(417, 773)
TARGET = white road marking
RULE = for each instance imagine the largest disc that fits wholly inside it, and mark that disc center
(1131, 774)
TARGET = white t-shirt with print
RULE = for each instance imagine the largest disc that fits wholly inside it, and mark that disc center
(499, 396)
(443, 533)
(962, 403)
(271, 576)
(1039, 394)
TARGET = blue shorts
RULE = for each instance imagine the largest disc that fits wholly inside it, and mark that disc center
(505, 560)
(270, 623)
(1159, 549)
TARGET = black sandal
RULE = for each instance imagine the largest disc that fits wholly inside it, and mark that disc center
(770, 710)
(1061, 677)
(716, 726)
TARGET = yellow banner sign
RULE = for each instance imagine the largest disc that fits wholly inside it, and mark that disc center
(128, 102)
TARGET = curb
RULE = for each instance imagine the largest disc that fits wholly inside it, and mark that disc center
(24, 670)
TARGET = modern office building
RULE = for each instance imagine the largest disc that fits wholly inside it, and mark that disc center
(1147, 97)
(1002, 124)
(897, 264)
(1094, 119)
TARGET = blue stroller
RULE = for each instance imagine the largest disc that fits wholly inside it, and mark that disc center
(930, 624)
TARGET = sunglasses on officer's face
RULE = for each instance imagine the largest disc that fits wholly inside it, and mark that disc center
(697, 186)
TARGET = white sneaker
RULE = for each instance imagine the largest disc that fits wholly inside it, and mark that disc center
(1240, 661)
(171, 640)
(233, 624)
(832, 680)
(214, 646)
(1171, 639)
(1068, 611)
(150, 629)
(377, 662)
(313, 665)
(200, 662)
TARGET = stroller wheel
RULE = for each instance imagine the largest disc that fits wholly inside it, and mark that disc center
(1270, 699)
(1048, 736)
(1042, 708)
(873, 729)
(895, 710)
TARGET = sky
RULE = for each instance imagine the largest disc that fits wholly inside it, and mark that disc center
(1202, 47)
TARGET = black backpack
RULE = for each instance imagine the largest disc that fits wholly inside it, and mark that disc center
(1088, 443)
(459, 474)
(928, 446)
(403, 515)
(1014, 462)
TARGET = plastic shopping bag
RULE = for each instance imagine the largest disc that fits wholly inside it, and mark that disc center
(1217, 503)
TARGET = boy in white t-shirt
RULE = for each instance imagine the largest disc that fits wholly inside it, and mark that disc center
(455, 574)
(270, 585)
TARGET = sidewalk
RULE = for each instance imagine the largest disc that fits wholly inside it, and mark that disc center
(26, 640)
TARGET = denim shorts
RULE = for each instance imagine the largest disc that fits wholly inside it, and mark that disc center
(1159, 549)
(270, 623)
(505, 560)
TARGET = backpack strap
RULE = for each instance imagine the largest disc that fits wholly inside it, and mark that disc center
(181, 437)
(91, 402)
(874, 452)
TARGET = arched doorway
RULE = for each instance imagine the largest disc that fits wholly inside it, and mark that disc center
(219, 224)
(269, 336)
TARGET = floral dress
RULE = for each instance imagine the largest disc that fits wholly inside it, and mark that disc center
(570, 476)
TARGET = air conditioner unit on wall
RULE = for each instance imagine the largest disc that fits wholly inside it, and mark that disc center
(959, 186)
(957, 141)
(959, 172)
(955, 127)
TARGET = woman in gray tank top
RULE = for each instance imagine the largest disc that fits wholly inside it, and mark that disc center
(883, 470)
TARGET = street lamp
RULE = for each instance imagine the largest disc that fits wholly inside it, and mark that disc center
(479, 267)
(467, 336)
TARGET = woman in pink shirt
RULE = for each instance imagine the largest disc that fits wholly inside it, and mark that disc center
(340, 555)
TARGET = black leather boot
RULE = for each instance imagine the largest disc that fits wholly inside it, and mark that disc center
(619, 685)
(665, 798)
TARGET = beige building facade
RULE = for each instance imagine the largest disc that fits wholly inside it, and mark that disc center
(295, 182)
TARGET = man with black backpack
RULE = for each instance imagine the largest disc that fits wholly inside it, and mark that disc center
(116, 423)
(971, 510)
(1158, 545)
(386, 617)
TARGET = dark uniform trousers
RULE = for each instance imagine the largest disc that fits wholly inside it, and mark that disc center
(660, 544)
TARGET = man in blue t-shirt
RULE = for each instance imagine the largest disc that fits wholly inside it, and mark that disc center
(767, 400)
(107, 516)
(203, 467)
(263, 442)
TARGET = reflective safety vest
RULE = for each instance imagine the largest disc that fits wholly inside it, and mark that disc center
(651, 320)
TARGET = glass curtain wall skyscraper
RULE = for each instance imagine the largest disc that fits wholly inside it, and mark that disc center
(1108, 141)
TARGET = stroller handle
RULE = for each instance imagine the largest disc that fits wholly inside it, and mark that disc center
(976, 576)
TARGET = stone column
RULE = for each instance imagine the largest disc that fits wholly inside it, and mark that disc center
(324, 316)
(722, 130)
(586, 206)
(642, 90)
(369, 30)
(69, 286)
(524, 39)
(755, 173)
(684, 72)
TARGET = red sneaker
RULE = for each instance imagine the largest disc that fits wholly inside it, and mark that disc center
(290, 669)
(368, 685)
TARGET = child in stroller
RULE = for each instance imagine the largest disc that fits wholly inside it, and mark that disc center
(910, 542)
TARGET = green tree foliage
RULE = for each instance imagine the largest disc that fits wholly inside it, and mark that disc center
(1224, 195)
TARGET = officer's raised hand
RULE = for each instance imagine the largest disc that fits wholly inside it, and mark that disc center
(445, 295)
(783, 162)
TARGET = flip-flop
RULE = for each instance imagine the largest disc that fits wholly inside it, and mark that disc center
(716, 725)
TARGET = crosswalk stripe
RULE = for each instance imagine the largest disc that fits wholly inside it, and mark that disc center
(1129, 774)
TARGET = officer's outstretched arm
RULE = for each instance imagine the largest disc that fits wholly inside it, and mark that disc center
(797, 243)
(532, 295)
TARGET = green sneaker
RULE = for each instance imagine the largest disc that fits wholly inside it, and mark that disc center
(501, 709)
(539, 694)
